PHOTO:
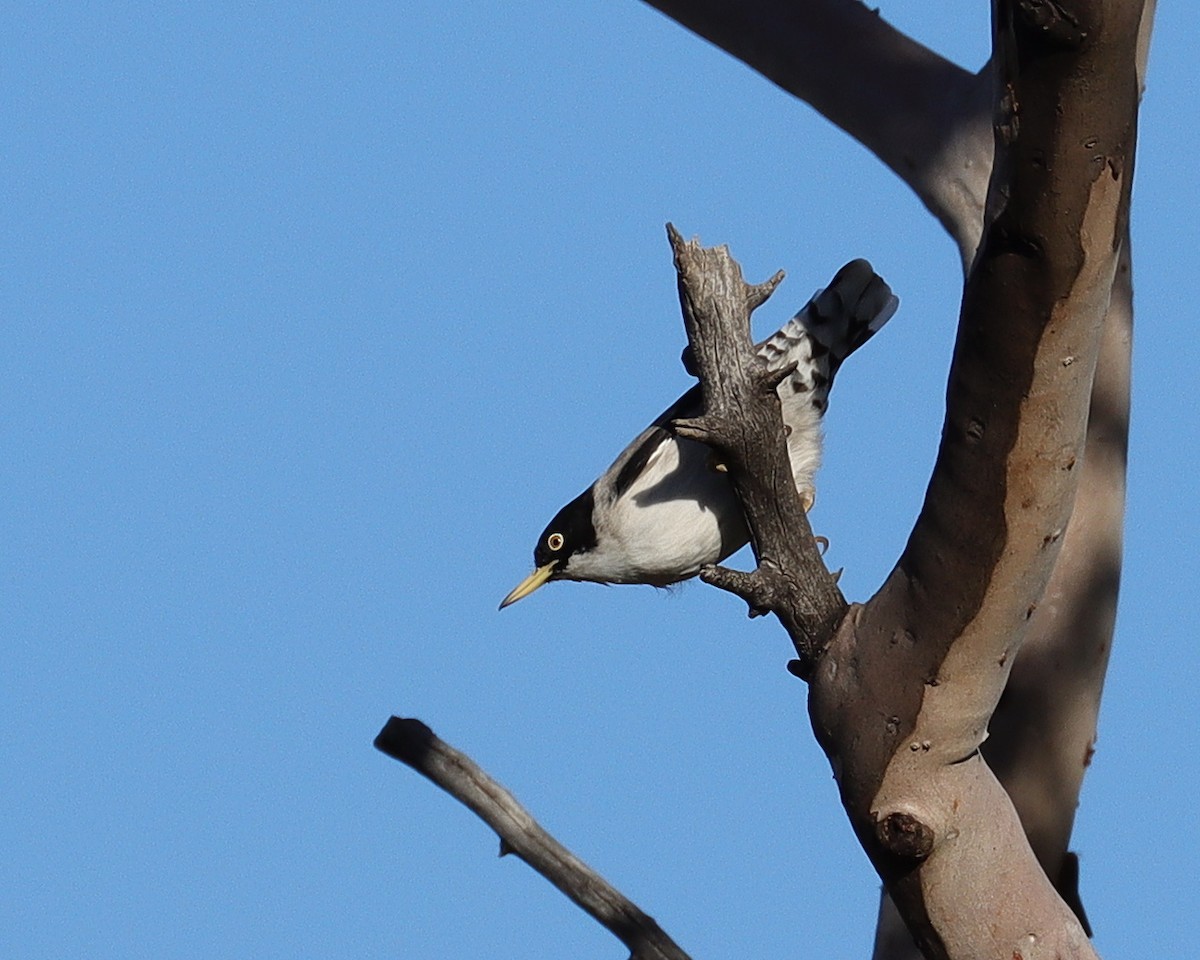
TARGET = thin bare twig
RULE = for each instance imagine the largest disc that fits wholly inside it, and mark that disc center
(413, 743)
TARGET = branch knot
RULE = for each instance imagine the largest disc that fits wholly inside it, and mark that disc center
(904, 835)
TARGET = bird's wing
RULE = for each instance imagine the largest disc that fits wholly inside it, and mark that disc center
(635, 457)
(826, 330)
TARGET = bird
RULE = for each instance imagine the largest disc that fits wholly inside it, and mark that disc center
(665, 507)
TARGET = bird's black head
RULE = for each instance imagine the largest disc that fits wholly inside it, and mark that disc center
(572, 531)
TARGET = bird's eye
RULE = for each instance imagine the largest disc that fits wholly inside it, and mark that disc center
(555, 541)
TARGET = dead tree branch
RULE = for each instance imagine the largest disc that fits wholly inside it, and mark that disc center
(413, 743)
(742, 422)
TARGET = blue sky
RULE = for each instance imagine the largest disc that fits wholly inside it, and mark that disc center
(312, 317)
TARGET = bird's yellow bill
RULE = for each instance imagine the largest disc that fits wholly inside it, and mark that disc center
(528, 585)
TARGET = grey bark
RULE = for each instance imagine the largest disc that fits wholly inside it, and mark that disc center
(413, 743)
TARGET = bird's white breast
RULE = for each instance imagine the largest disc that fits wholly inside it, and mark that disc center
(680, 514)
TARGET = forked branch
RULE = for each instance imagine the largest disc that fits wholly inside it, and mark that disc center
(902, 698)
(925, 117)
(930, 122)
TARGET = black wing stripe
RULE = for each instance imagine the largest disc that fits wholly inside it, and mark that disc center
(633, 467)
(688, 405)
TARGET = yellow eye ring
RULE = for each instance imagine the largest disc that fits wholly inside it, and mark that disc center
(555, 541)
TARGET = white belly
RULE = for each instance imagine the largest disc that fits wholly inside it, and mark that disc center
(680, 515)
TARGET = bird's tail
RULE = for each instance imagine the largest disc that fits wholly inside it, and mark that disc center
(833, 324)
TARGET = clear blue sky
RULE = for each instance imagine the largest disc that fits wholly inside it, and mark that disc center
(313, 314)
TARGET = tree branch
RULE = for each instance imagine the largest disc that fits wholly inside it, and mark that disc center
(413, 743)
(742, 421)
(1058, 677)
(1044, 729)
(902, 698)
(926, 118)
(1043, 732)
(935, 643)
